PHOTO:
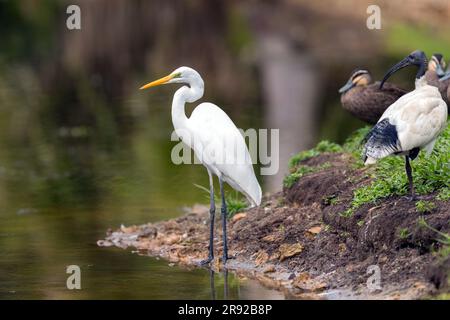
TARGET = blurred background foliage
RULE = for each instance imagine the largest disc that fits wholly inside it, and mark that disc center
(83, 150)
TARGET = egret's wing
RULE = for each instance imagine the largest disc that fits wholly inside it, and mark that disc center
(220, 146)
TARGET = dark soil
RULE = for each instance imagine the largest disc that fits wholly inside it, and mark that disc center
(298, 240)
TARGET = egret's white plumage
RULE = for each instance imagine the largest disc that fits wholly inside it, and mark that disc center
(216, 142)
(223, 150)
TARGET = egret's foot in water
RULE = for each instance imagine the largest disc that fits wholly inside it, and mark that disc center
(227, 257)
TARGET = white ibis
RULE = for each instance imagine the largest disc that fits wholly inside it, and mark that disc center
(411, 123)
(216, 142)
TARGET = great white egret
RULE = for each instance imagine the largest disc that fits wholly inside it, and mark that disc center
(216, 142)
(411, 123)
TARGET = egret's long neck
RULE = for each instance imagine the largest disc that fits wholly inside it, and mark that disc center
(185, 94)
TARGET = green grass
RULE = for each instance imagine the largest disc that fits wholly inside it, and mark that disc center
(423, 206)
(443, 237)
(322, 147)
(300, 171)
(444, 194)
(403, 233)
(355, 142)
(430, 173)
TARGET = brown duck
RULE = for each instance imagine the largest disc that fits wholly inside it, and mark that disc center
(364, 99)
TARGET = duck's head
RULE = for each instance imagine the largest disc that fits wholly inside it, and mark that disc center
(359, 77)
(437, 64)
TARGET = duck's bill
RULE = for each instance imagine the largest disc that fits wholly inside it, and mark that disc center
(347, 86)
(402, 64)
(445, 77)
(439, 71)
(158, 82)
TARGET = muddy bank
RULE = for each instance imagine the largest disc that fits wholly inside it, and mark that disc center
(299, 241)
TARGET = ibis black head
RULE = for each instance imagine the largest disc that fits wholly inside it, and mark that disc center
(437, 64)
(416, 58)
(359, 77)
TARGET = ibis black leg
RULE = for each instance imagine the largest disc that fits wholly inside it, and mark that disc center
(410, 178)
(212, 212)
(224, 223)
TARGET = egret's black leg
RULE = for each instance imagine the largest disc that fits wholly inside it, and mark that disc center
(224, 222)
(212, 212)
(410, 178)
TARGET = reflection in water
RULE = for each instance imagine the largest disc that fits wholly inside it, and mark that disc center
(211, 282)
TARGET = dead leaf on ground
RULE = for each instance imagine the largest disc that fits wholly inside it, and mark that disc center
(261, 257)
(129, 229)
(238, 216)
(305, 283)
(271, 237)
(171, 239)
(288, 250)
(315, 230)
(270, 268)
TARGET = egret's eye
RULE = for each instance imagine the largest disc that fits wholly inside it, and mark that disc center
(177, 75)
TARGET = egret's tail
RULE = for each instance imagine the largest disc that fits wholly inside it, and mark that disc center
(255, 194)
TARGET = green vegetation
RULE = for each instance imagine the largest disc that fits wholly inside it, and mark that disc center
(355, 142)
(322, 147)
(404, 38)
(444, 194)
(444, 238)
(300, 171)
(430, 173)
(235, 203)
(423, 206)
(403, 233)
(330, 200)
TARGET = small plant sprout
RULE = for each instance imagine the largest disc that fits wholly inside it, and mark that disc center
(444, 238)
(403, 233)
(423, 206)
